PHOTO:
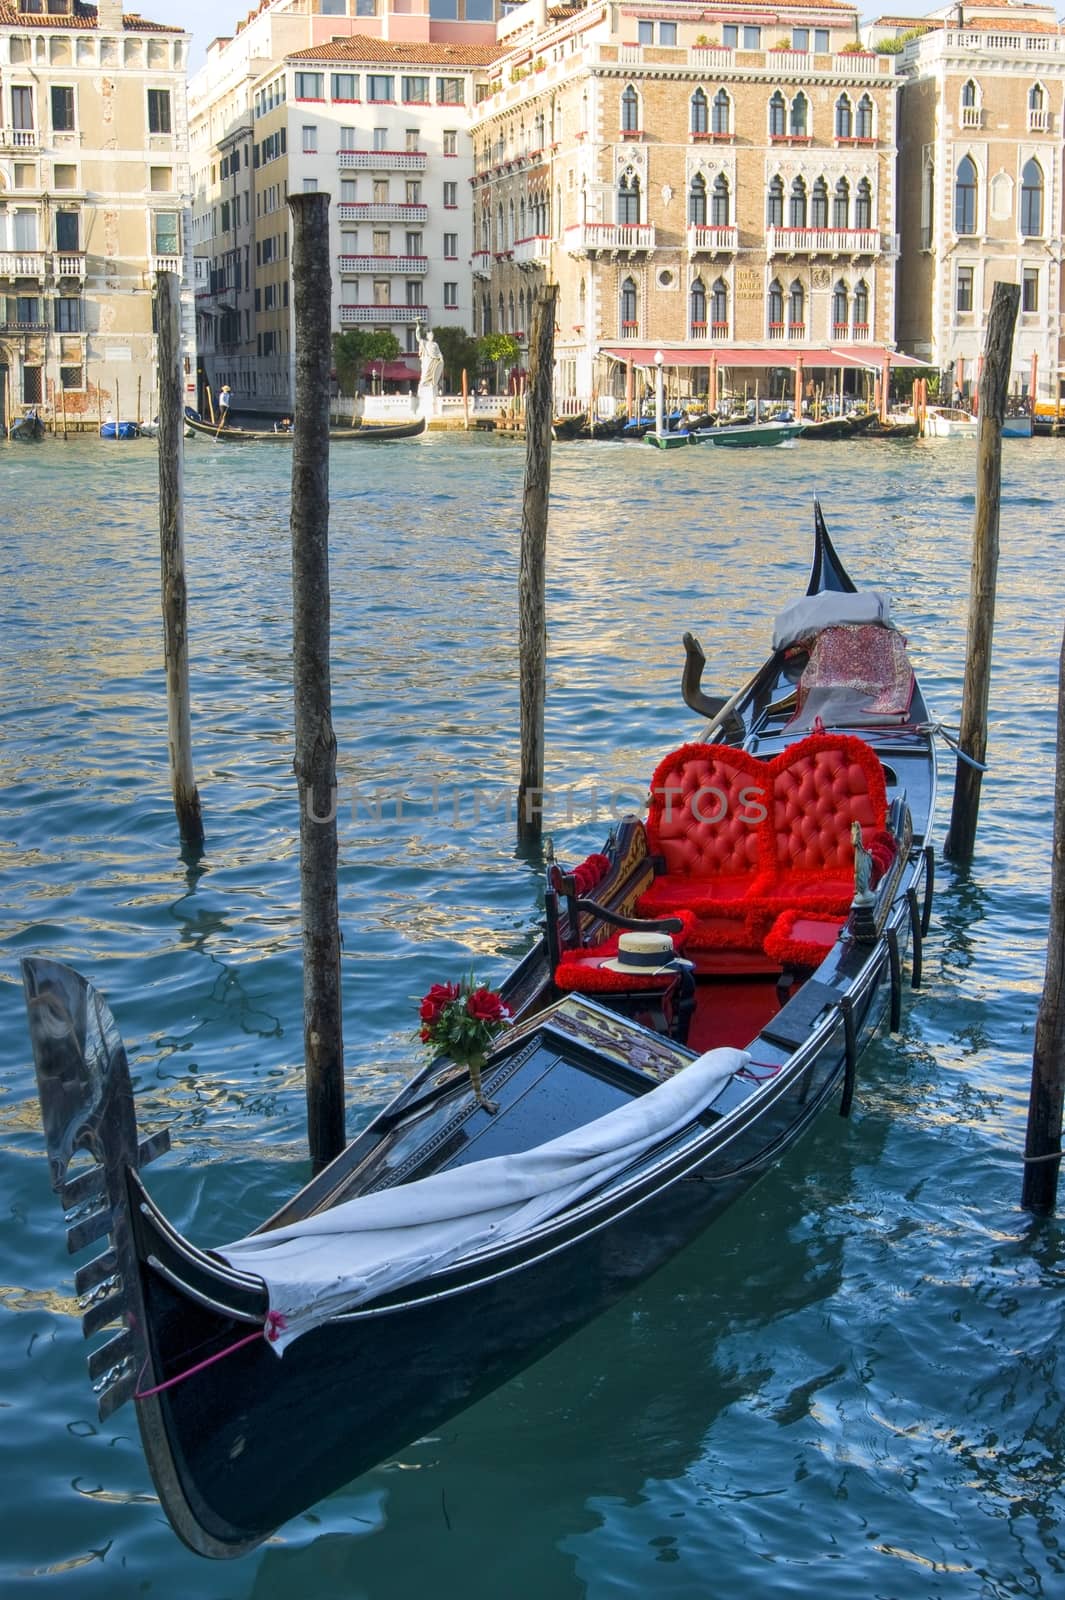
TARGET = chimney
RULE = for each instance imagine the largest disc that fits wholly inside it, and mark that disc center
(109, 14)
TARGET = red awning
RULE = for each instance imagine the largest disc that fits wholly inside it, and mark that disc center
(847, 356)
(391, 371)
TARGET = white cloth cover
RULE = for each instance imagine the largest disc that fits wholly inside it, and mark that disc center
(828, 610)
(333, 1262)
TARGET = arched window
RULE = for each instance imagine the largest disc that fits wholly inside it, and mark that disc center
(719, 202)
(697, 202)
(774, 204)
(819, 205)
(512, 326)
(1032, 200)
(501, 237)
(486, 315)
(722, 113)
(800, 114)
(969, 96)
(776, 304)
(965, 196)
(510, 220)
(863, 122)
(486, 230)
(839, 309)
(797, 205)
(863, 205)
(970, 105)
(628, 306)
(699, 112)
(796, 307)
(861, 307)
(502, 313)
(697, 307)
(1036, 97)
(841, 205)
(521, 311)
(629, 197)
(521, 219)
(630, 111)
(582, 303)
(719, 305)
(844, 117)
(778, 116)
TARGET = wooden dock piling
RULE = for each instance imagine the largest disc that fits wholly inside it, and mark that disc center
(172, 559)
(994, 386)
(532, 605)
(315, 741)
(1042, 1148)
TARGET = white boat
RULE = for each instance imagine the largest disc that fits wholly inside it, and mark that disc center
(948, 422)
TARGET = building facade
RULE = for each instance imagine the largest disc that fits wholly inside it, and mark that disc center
(94, 192)
(982, 102)
(369, 103)
(717, 183)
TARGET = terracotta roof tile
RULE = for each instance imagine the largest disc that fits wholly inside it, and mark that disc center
(84, 20)
(361, 47)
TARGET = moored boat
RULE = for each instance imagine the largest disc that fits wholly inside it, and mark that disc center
(119, 430)
(28, 428)
(949, 422)
(673, 1033)
(372, 433)
(747, 435)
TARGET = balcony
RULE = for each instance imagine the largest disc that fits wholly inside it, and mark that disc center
(382, 316)
(165, 264)
(373, 211)
(534, 251)
(68, 266)
(481, 264)
(971, 117)
(408, 266)
(384, 160)
(713, 241)
(822, 242)
(10, 324)
(19, 139)
(22, 264)
(617, 238)
(1038, 120)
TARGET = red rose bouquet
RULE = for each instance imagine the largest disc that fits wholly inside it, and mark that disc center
(461, 1020)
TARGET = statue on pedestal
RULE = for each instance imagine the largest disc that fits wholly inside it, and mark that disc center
(431, 358)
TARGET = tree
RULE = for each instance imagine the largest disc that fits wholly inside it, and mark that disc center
(353, 349)
(499, 349)
(461, 353)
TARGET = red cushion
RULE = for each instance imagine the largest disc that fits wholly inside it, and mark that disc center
(583, 970)
(708, 807)
(799, 939)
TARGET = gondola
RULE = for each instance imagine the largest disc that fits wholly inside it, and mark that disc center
(370, 434)
(570, 427)
(27, 428)
(749, 435)
(673, 1031)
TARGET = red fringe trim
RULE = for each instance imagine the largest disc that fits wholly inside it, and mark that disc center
(781, 946)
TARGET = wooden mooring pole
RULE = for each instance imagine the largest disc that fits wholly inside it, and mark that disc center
(994, 386)
(1042, 1148)
(172, 559)
(315, 741)
(532, 605)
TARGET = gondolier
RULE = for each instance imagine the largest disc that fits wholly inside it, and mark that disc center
(224, 398)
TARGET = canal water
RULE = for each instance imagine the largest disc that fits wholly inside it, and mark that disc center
(855, 1382)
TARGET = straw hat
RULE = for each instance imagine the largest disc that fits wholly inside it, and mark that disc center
(642, 954)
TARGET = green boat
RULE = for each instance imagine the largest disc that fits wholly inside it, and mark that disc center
(669, 441)
(746, 435)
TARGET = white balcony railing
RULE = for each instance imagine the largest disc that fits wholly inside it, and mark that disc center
(532, 252)
(67, 266)
(714, 59)
(971, 116)
(384, 160)
(712, 240)
(22, 264)
(823, 241)
(587, 238)
(19, 138)
(858, 66)
(381, 211)
(1038, 120)
(166, 264)
(382, 316)
(409, 266)
(481, 263)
